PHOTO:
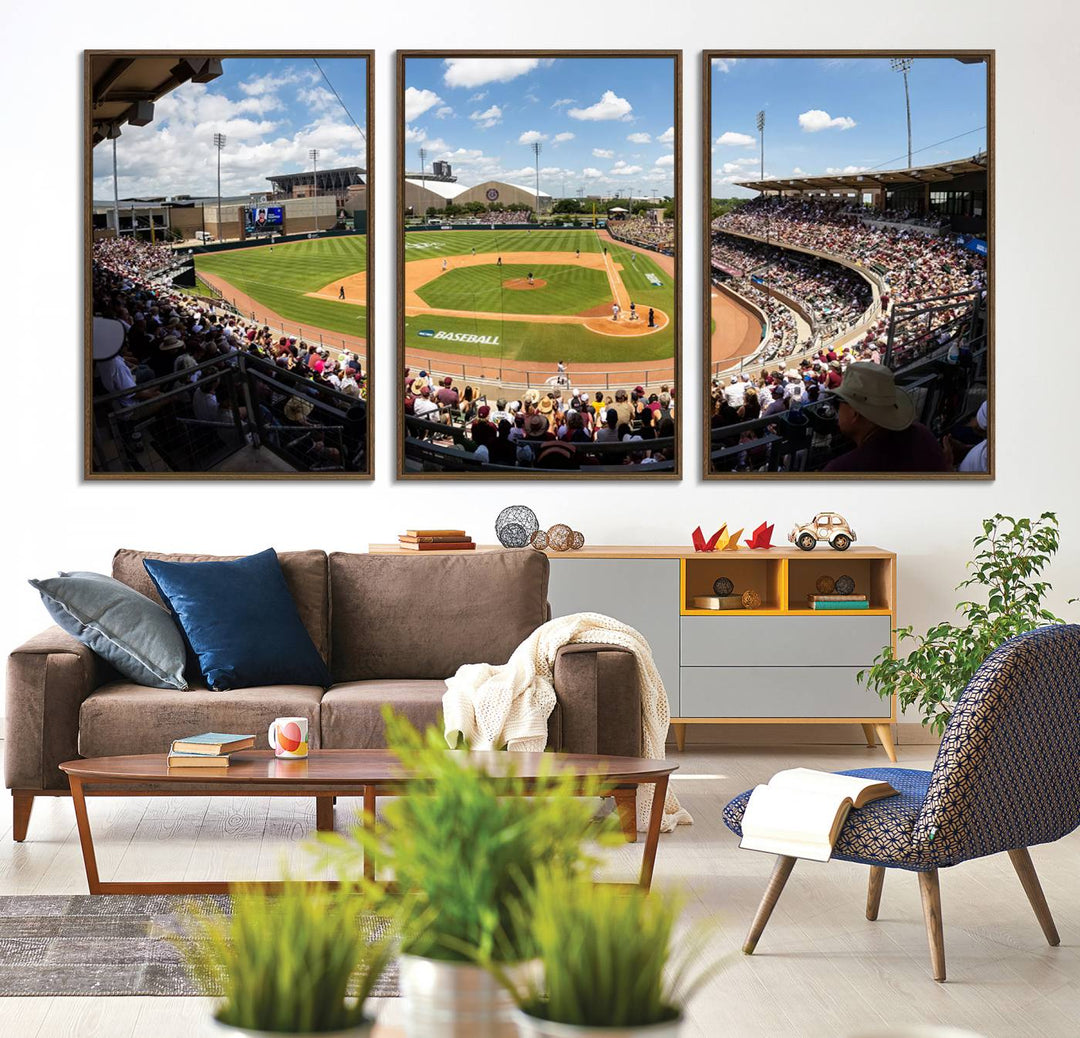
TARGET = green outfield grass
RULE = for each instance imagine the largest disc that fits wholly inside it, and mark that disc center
(566, 293)
(280, 278)
(569, 290)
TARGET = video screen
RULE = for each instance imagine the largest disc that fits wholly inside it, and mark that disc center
(262, 218)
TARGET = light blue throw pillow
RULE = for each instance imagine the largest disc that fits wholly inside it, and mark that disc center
(136, 635)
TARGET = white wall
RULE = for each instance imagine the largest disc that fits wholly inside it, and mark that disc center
(55, 521)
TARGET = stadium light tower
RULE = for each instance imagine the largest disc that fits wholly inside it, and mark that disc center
(761, 177)
(423, 156)
(904, 65)
(313, 154)
(537, 147)
(219, 143)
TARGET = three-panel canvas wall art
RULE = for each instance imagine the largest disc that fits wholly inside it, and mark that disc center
(845, 270)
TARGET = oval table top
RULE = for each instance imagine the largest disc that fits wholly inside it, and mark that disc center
(374, 767)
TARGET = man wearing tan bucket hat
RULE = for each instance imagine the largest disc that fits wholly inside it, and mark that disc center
(879, 418)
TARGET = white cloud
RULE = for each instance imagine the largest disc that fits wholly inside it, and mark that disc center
(562, 138)
(442, 113)
(816, 120)
(270, 83)
(531, 136)
(741, 166)
(415, 134)
(532, 99)
(668, 136)
(845, 170)
(603, 153)
(724, 64)
(609, 107)
(591, 173)
(730, 138)
(478, 96)
(639, 138)
(665, 160)
(417, 102)
(797, 172)
(474, 72)
(621, 169)
(317, 98)
(562, 102)
(491, 116)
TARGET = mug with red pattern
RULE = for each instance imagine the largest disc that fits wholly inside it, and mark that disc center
(288, 737)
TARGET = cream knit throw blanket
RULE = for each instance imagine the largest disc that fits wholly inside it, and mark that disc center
(510, 705)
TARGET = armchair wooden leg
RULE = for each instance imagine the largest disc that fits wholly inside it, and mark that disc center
(871, 739)
(884, 732)
(626, 806)
(873, 892)
(1021, 860)
(21, 805)
(781, 871)
(931, 905)
(680, 736)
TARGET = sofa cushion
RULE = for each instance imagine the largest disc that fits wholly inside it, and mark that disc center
(423, 616)
(304, 571)
(122, 718)
(352, 712)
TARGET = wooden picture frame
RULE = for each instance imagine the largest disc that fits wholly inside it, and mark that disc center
(711, 467)
(346, 449)
(463, 468)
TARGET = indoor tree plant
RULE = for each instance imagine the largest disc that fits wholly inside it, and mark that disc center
(1010, 557)
(297, 962)
(607, 962)
(465, 848)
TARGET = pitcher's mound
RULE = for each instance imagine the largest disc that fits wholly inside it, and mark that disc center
(522, 284)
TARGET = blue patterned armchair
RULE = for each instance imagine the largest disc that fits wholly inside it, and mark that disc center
(1006, 777)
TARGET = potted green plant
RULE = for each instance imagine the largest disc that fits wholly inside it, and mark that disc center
(1010, 557)
(298, 962)
(607, 966)
(465, 849)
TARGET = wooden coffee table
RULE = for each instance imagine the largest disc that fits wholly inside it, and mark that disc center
(327, 774)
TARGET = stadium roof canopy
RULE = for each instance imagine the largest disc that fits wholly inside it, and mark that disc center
(443, 188)
(870, 180)
(343, 175)
(124, 88)
(528, 190)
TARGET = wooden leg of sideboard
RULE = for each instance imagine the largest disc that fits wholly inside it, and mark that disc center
(884, 732)
(680, 736)
(868, 731)
(21, 804)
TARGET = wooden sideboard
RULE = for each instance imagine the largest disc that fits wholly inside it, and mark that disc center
(781, 663)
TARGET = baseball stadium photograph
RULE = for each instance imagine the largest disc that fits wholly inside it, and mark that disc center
(227, 251)
(848, 240)
(538, 250)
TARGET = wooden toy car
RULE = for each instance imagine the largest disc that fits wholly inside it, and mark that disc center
(825, 526)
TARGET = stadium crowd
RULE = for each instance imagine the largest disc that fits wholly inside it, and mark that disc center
(169, 333)
(543, 429)
(638, 230)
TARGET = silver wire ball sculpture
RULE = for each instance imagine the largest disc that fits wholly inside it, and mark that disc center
(515, 526)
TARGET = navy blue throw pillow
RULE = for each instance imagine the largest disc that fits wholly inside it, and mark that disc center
(241, 621)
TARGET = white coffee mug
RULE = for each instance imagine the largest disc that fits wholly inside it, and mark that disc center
(288, 737)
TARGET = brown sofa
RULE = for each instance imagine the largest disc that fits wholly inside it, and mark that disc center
(391, 629)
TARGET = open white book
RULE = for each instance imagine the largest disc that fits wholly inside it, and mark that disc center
(801, 811)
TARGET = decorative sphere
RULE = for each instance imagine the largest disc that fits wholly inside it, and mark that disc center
(723, 586)
(560, 537)
(515, 526)
(540, 540)
(845, 585)
(751, 599)
(825, 585)
(577, 542)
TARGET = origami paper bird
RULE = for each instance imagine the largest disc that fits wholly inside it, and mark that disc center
(733, 541)
(762, 537)
(700, 544)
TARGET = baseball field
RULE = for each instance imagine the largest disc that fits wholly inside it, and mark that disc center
(536, 296)
(288, 281)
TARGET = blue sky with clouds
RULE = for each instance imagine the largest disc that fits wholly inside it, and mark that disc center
(604, 124)
(825, 115)
(273, 111)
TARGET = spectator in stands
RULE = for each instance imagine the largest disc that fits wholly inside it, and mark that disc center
(879, 418)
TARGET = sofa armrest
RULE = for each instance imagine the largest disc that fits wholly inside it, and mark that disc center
(599, 699)
(47, 680)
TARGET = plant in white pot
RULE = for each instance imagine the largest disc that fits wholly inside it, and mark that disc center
(465, 848)
(298, 962)
(607, 966)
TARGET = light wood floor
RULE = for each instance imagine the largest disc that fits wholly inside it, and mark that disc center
(820, 969)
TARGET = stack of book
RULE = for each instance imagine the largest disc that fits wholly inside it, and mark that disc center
(436, 540)
(838, 601)
(209, 750)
